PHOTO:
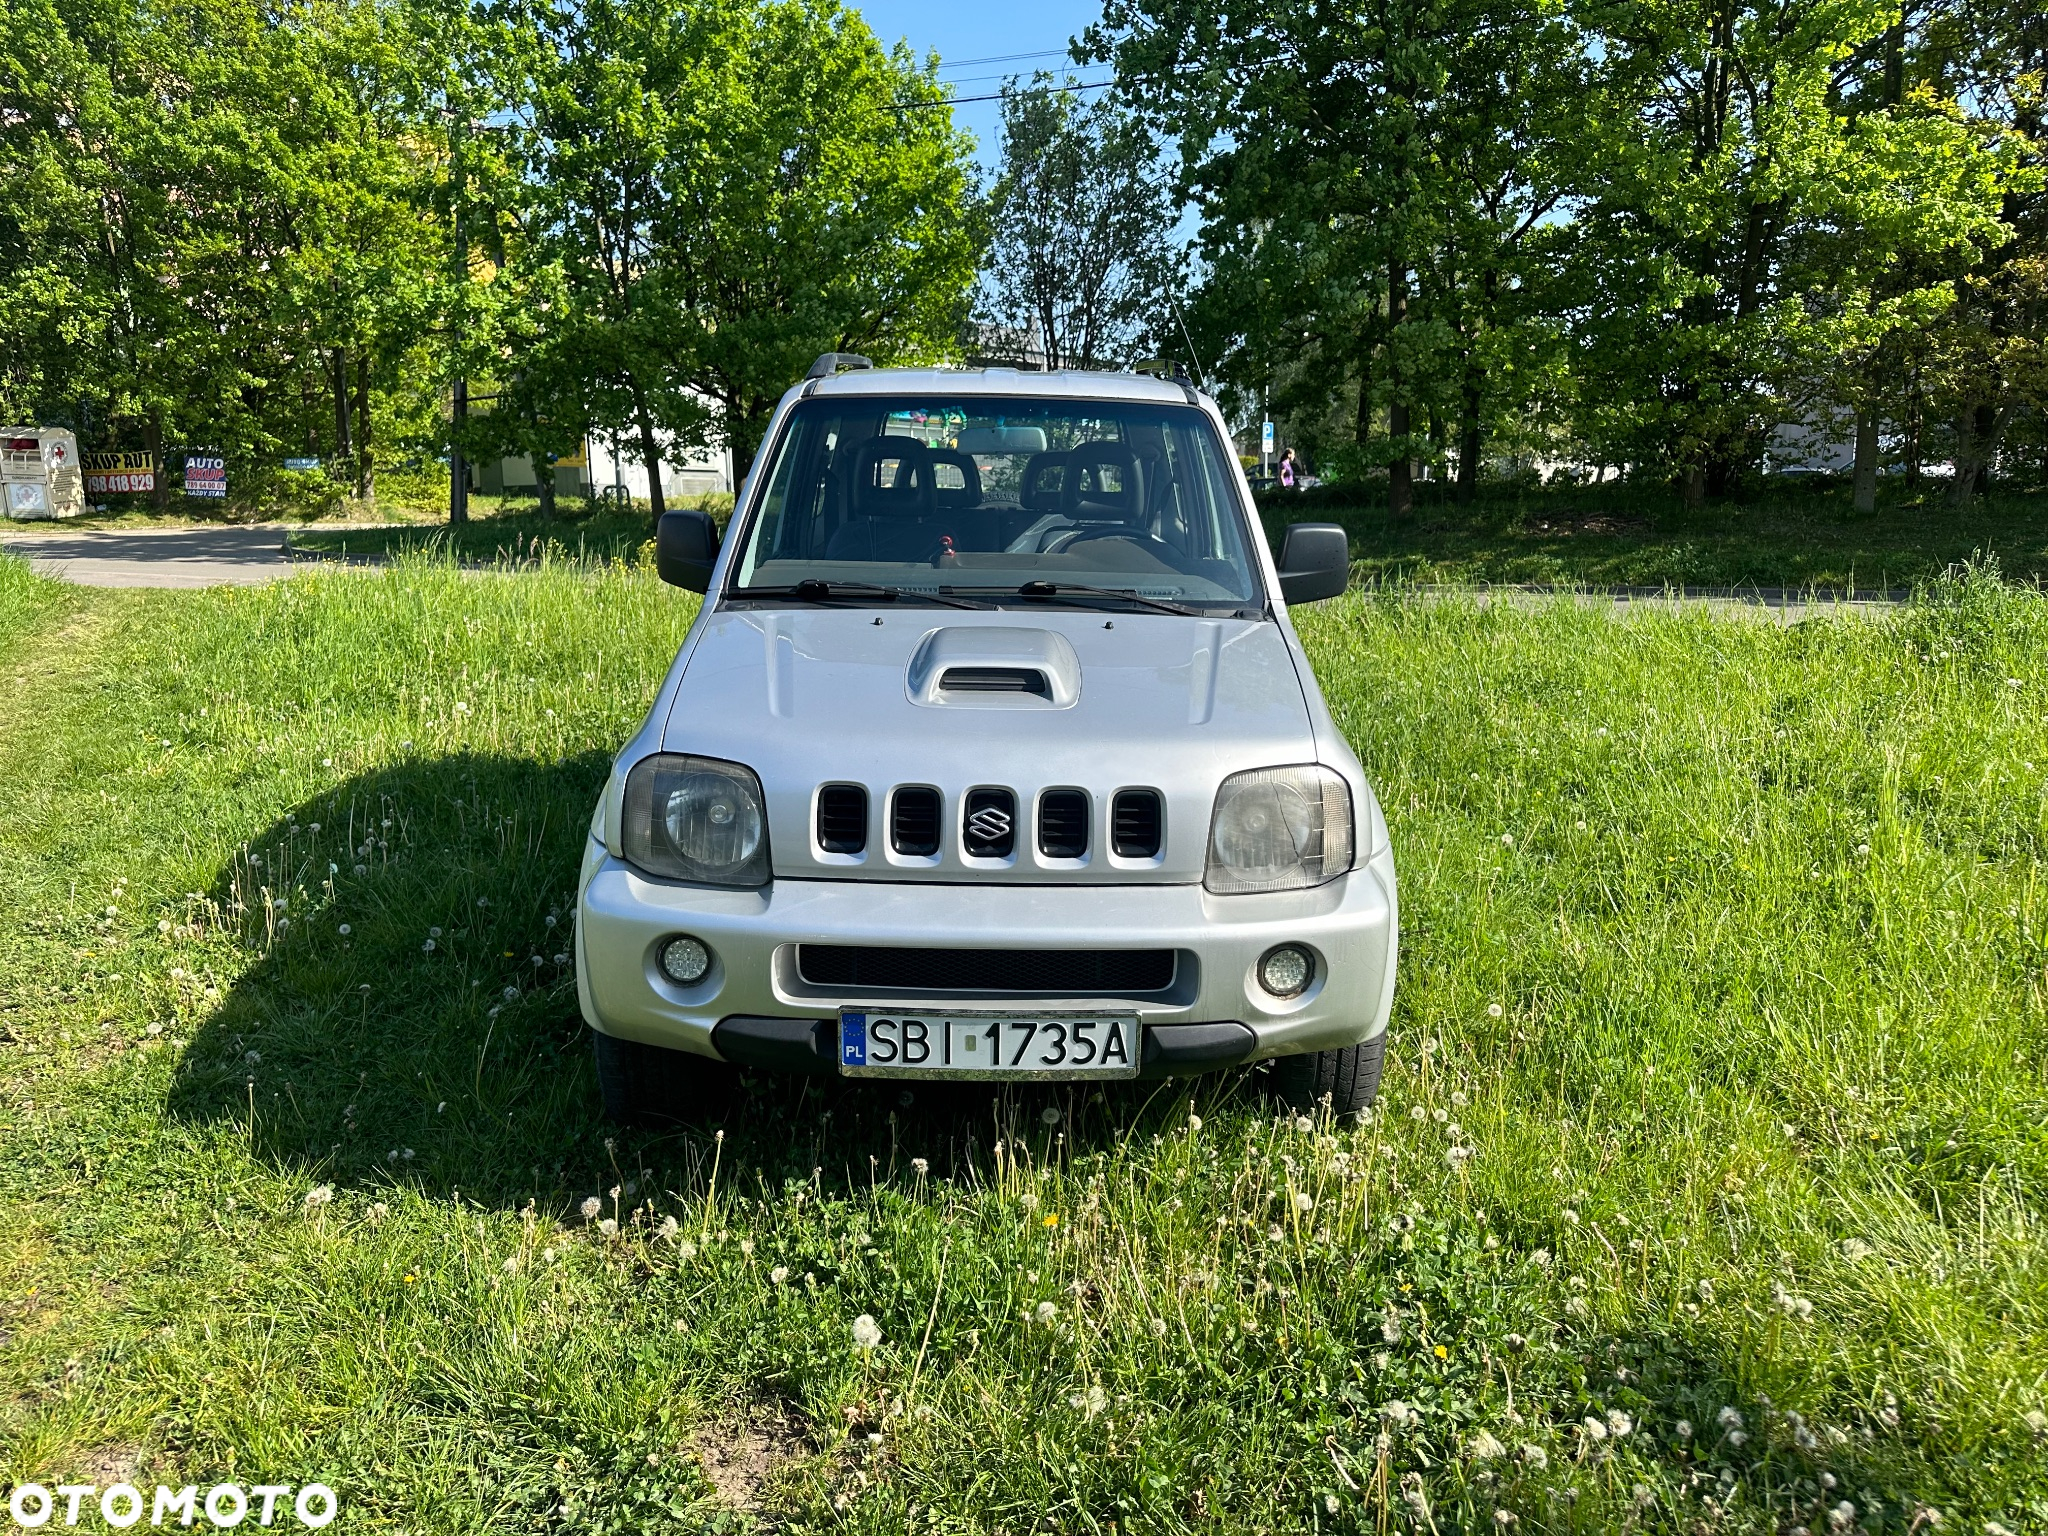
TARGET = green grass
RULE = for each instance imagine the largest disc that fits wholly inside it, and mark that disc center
(1724, 953)
(508, 531)
(1618, 536)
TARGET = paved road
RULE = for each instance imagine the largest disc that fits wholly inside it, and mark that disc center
(155, 557)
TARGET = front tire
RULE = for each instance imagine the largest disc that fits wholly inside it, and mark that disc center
(1348, 1078)
(647, 1085)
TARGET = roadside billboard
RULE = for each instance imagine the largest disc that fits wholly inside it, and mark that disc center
(206, 475)
(123, 470)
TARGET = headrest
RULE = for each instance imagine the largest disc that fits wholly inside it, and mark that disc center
(892, 477)
(1045, 481)
(1105, 477)
(949, 466)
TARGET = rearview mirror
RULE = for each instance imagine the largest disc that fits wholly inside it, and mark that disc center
(685, 549)
(1315, 563)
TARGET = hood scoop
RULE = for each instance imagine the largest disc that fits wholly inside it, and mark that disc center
(967, 667)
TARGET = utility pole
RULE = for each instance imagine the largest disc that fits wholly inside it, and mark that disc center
(458, 467)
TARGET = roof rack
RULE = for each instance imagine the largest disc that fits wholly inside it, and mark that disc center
(832, 362)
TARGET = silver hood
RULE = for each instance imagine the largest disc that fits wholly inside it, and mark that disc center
(817, 696)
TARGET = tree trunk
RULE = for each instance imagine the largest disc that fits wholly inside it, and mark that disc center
(1361, 426)
(1694, 486)
(458, 465)
(1909, 446)
(544, 484)
(1964, 483)
(160, 497)
(1468, 436)
(1866, 460)
(366, 463)
(1401, 472)
(650, 453)
(344, 446)
(1977, 432)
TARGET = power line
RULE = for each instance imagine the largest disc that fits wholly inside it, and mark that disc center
(954, 101)
(1007, 58)
(977, 79)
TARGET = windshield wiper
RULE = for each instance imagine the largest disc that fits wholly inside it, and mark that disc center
(812, 590)
(1048, 591)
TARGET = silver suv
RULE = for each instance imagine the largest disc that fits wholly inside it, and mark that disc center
(993, 755)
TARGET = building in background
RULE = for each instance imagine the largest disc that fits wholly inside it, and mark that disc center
(607, 464)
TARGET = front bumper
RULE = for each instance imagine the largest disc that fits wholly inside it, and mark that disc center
(1351, 924)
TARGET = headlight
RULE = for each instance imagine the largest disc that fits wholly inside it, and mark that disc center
(1279, 829)
(696, 818)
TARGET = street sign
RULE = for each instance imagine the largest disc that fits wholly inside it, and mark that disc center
(1266, 438)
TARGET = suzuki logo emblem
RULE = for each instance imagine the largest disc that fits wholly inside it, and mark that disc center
(989, 825)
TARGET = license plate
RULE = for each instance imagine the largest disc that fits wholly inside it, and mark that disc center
(953, 1044)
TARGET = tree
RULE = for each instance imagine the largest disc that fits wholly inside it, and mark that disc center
(1368, 178)
(1741, 225)
(207, 221)
(718, 192)
(1082, 222)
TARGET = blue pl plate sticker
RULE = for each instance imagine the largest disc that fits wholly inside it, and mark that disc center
(853, 1039)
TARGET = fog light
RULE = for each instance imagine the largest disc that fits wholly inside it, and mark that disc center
(1287, 971)
(685, 960)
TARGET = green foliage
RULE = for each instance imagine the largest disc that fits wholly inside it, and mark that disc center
(716, 193)
(1640, 232)
(285, 231)
(207, 220)
(1083, 270)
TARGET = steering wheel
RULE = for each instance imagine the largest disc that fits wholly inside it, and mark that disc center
(1088, 535)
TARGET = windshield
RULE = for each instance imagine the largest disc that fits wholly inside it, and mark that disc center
(982, 495)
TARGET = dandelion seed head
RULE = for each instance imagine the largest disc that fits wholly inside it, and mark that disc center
(867, 1333)
(1494, 1010)
(590, 1207)
(778, 1275)
(1050, 1115)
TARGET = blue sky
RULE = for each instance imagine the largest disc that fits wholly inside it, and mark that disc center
(962, 34)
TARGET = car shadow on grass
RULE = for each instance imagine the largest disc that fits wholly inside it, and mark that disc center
(411, 1018)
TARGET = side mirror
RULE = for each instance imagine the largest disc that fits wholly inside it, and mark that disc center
(1315, 563)
(685, 549)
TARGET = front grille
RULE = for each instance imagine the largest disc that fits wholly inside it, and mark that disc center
(1134, 824)
(1067, 972)
(995, 680)
(990, 830)
(1063, 824)
(842, 818)
(914, 822)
